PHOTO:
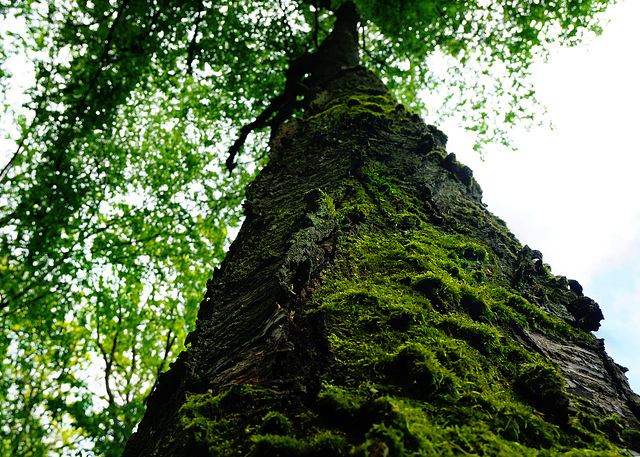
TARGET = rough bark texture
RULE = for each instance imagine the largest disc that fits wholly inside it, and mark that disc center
(275, 354)
(371, 305)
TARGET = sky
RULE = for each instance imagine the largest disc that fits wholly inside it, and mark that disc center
(572, 192)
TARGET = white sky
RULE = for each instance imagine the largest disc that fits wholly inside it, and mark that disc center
(573, 192)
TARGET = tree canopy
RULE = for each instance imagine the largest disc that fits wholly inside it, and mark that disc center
(116, 200)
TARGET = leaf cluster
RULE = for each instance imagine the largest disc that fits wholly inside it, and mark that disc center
(471, 59)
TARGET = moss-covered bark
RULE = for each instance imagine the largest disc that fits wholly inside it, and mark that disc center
(372, 306)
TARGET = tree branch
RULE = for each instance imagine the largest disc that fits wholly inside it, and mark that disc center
(191, 53)
(171, 339)
(339, 49)
(7, 167)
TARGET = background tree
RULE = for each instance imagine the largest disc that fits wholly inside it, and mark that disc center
(115, 202)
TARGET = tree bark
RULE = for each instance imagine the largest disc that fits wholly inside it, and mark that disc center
(371, 305)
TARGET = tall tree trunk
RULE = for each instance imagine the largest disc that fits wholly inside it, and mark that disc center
(371, 305)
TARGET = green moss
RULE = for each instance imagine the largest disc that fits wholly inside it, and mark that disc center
(215, 423)
(366, 112)
(359, 206)
(441, 289)
(319, 202)
(420, 320)
(418, 367)
(356, 107)
(321, 444)
(541, 385)
(452, 369)
(275, 423)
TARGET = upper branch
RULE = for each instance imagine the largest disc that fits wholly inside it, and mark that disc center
(337, 51)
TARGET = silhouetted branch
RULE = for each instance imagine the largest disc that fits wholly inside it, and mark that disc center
(339, 49)
(191, 53)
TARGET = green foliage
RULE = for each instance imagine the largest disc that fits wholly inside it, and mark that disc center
(114, 205)
(479, 56)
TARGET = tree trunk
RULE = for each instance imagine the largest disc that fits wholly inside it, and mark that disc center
(371, 305)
